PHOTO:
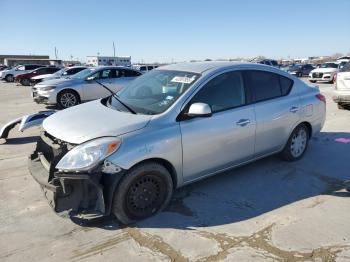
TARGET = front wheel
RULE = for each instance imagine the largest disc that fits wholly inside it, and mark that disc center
(67, 98)
(9, 78)
(145, 190)
(297, 144)
(312, 81)
(25, 82)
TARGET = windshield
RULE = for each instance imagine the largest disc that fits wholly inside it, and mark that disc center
(60, 72)
(156, 91)
(83, 74)
(329, 65)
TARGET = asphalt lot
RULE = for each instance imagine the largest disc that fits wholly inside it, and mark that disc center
(266, 211)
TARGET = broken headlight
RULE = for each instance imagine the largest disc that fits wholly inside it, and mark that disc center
(87, 155)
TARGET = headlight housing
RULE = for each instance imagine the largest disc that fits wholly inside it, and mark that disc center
(87, 155)
(47, 88)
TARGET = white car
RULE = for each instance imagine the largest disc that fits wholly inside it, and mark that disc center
(342, 87)
(83, 86)
(325, 72)
(10, 74)
(64, 72)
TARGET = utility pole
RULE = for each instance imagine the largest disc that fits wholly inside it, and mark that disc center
(56, 53)
(115, 62)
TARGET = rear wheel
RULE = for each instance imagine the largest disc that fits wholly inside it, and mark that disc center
(312, 81)
(145, 190)
(297, 144)
(68, 98)
(9, 78)
(25, 82)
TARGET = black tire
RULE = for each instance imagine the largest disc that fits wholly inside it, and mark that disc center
(343, 106)
(9, 78)
(312, 81)
(300, 74)
(144, 191)
(287, 153)
(25, 82)
(340, 106)
(68, 98)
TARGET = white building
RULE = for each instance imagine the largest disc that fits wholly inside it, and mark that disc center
(109, 60)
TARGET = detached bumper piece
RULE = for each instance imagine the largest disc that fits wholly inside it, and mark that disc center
(71, 194)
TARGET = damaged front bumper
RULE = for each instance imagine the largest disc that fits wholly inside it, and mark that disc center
(73, 194)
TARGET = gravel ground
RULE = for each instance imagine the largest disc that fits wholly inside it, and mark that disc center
(266, 211)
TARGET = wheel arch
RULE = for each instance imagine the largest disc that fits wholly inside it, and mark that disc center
(309, 127)
(171, 169)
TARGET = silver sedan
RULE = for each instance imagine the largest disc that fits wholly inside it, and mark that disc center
(170, 127)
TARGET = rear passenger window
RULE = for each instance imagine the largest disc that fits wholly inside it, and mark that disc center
(264, 85)
(222, 92)
(131, 73)
(286, 85)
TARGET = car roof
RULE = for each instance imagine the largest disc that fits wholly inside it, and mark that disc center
(200, 67)
(112, 67)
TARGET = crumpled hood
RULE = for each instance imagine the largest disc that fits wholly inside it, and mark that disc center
(92, 120)
(324, 70)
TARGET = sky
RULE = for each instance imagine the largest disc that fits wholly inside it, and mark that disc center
(177, 30)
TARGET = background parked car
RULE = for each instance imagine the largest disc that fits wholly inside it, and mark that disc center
(269, 62)
(9, 75)
(144, 68)
(325, 72)
(24, 79)
(82, 86)
(3, 67)
(300, 70)
(342, 87)
(64, 72)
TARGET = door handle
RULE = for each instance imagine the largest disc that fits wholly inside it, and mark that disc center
(243, 122)
(294, 109)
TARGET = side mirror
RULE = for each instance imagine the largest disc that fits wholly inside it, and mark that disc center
(199, 110)
(90, 78)
(65, 73)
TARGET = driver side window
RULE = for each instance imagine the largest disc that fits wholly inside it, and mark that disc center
(223, 92)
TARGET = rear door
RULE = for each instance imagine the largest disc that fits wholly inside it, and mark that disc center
(226, 138)
(277, 111)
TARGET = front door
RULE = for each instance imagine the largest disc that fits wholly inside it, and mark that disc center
(226, 138)
(92, 90)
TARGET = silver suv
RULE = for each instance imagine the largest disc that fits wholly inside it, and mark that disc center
(125, 154)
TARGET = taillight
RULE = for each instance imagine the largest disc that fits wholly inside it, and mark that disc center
(321, 98)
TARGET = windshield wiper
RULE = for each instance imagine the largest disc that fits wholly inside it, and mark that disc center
(116, 97)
